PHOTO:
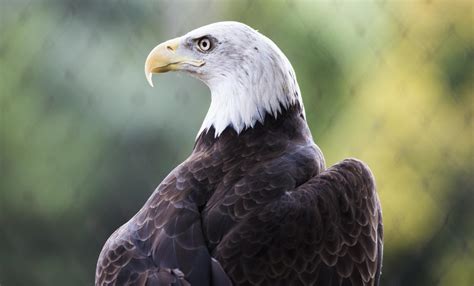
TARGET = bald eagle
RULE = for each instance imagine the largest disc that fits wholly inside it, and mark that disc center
(254, 203)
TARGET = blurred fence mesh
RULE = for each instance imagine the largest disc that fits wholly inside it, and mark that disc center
(84, 140)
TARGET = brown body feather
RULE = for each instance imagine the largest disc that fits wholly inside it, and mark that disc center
(263, 205)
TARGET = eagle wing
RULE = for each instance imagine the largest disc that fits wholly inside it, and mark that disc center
(327, 231)
(163, 243)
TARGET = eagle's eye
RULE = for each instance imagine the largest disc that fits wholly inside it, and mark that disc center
(204, 44)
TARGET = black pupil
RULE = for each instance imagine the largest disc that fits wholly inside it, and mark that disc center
(204, 44)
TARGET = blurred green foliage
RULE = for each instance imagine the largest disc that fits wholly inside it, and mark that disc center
(84, 140)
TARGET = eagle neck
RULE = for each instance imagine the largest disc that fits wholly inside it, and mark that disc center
(290, 124)
(242, 96)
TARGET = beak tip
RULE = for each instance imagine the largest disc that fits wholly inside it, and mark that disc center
(149, 79)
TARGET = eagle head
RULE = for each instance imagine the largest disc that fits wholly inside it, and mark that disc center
(248, 75)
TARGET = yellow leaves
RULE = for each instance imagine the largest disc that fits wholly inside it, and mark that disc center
(410, 130)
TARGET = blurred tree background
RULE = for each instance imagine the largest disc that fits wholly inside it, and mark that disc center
(84, 140)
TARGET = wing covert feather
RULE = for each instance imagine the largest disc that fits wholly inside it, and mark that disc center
(163, 243)
(327, 231)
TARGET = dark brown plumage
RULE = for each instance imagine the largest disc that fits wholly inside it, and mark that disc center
(259, 206)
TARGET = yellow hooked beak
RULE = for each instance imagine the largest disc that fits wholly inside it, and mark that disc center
(164, 58)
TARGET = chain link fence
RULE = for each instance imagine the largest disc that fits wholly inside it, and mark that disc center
(84, 140)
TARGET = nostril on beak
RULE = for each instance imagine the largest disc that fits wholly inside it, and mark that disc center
(169, 48)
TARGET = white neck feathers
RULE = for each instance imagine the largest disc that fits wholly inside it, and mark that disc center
(242, 95)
